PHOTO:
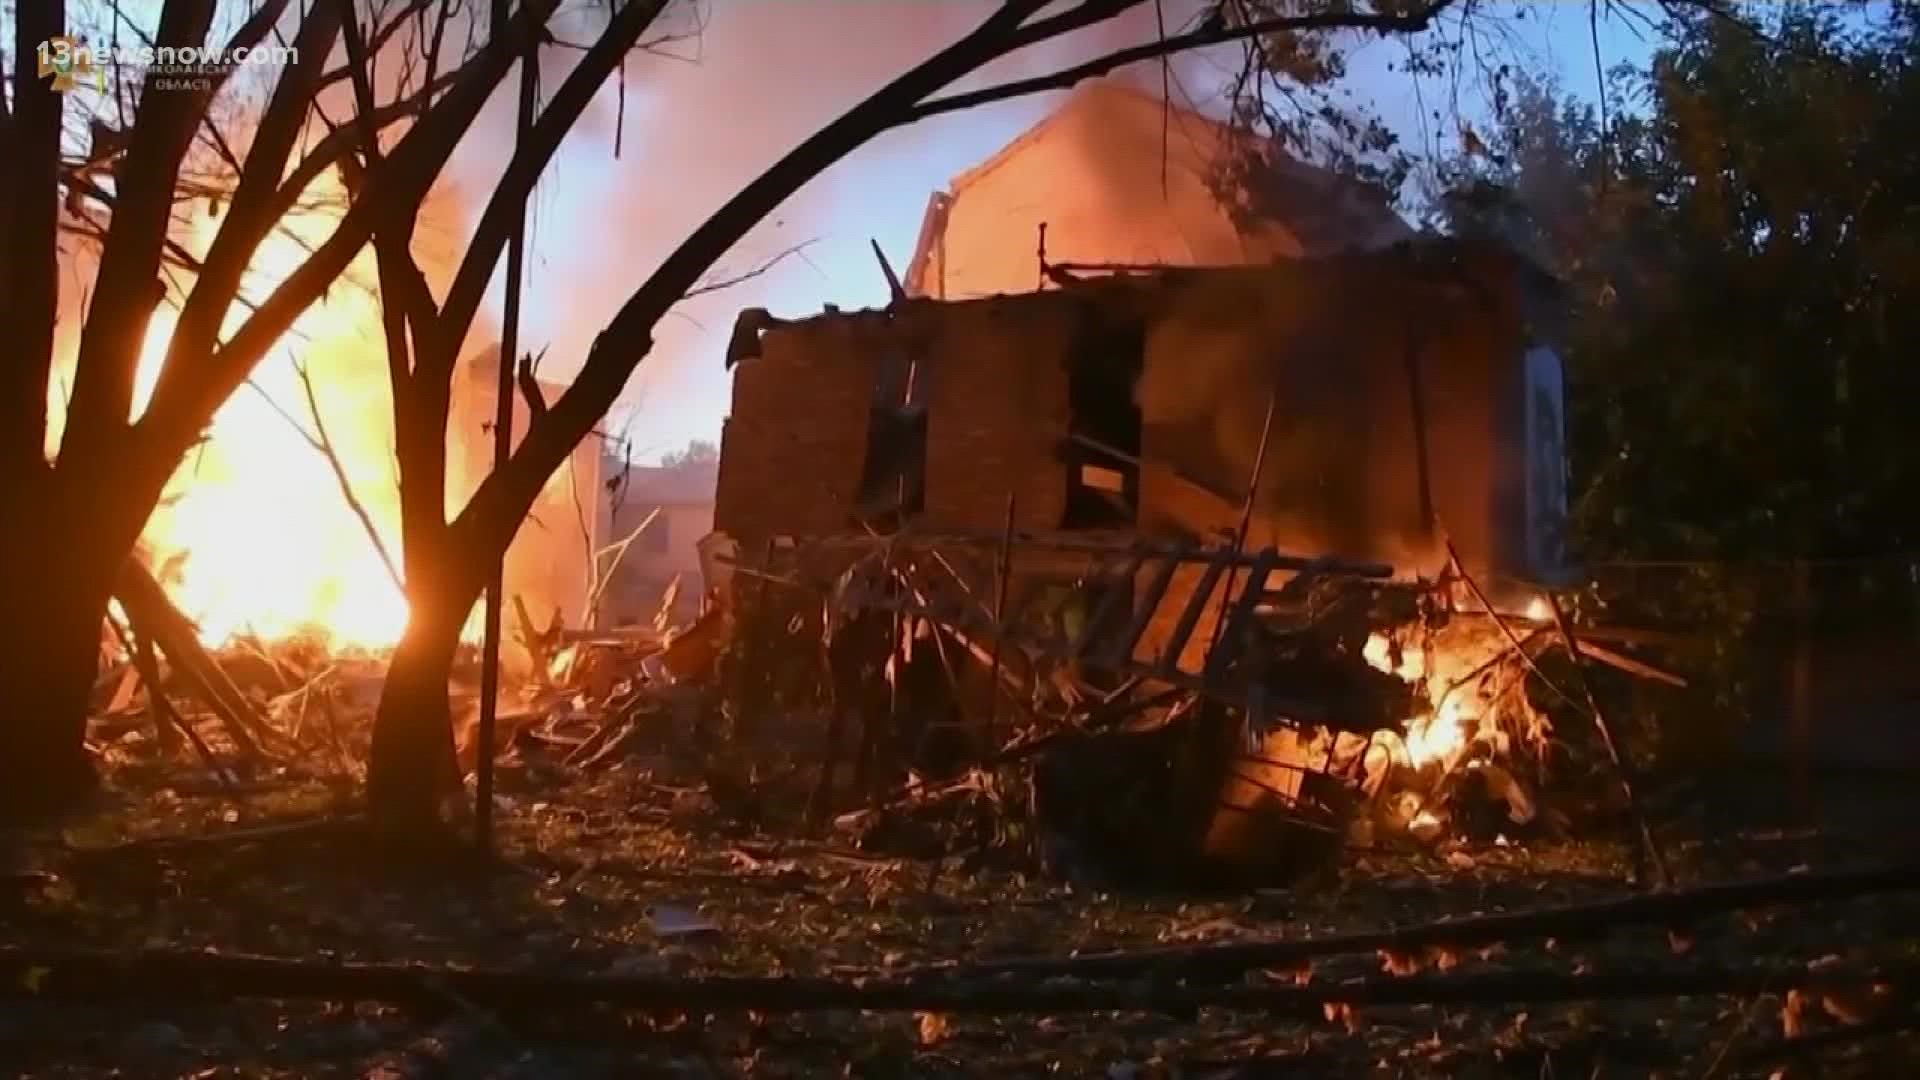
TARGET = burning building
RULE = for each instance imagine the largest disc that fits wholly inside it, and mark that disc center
(1119, 178)
(1336, 388)
(1408, 387)
(1410, 381)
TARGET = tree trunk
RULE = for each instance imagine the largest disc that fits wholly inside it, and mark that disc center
(412, 768)
(56, 596)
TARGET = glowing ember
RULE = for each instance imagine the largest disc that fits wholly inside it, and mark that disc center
(1430, 736)
(1463, 689)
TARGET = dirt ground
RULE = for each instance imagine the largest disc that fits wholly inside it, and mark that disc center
(596, 870)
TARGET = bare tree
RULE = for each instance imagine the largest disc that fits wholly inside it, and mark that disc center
(413, 753)
(448, 563)
(73, 512)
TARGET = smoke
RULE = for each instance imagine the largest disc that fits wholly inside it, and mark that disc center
(704, 116)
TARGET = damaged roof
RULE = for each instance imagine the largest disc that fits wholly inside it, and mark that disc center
(1119, 176)
(1440, 260)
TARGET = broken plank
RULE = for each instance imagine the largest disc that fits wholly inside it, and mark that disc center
(1176, 643)
(1122, 648)
(1230, 638)
(153, 616)
(1627, 663)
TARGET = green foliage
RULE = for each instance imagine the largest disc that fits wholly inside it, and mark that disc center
(1741, 245)
(1742, 249)
(1289, 92)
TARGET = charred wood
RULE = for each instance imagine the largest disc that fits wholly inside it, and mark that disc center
(169, 726)
(154, 617)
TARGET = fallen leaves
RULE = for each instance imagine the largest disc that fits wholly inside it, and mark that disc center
(612, 878)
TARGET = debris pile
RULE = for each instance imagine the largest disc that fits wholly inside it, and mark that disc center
(1106, 708)
(1116, 724)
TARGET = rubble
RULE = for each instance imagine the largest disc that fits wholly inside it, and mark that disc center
(1091, 625)
(867, 685)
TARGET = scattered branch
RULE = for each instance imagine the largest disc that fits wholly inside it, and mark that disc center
(1208, 34)
(324, 445)
(1563, 923)
(78, 974)
(154, 617)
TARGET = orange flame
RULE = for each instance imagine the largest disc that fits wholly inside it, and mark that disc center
(1430, 736)
(1474, 702)
(254, 535)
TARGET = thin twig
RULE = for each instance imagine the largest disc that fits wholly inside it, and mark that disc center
(717, 284)
(140, 648)
(322, 444)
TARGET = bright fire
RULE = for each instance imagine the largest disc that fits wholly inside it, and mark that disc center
(1430, 736)
(253, 535)
(260, 538)
(1468, 695)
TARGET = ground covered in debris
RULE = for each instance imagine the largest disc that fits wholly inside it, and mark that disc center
(625, 871)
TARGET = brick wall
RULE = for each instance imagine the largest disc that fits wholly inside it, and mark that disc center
(1333, 335)
(996, 394)
(793, 444)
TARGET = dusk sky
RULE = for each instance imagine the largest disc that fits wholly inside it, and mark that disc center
(713, 110)
(697, 129)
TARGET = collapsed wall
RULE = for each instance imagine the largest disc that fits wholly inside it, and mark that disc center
(1407, 386)
(991, 467)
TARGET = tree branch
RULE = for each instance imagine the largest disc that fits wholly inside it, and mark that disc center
(360, 66)
(375, 42)
(258, 25)
(1568, 922)
(56, 973)
(86, 185)
(324, 444)
(1195, 39)
(250, 214)
(717, 284)
(182, 406)
(116, 322)
(529, 161)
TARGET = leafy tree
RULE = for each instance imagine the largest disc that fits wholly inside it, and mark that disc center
(1742, 253)
(696, 453)
(1742, 256)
